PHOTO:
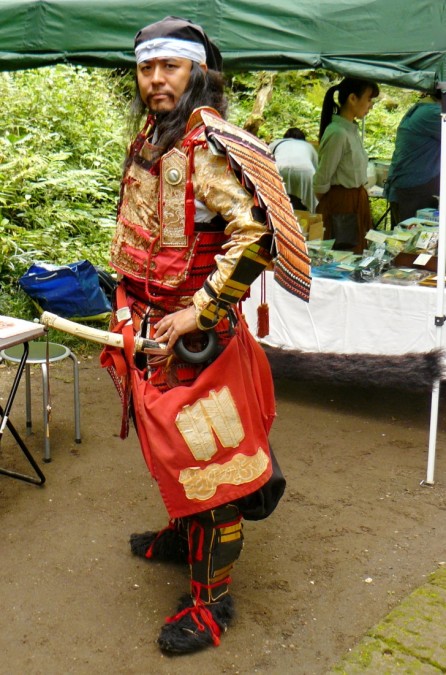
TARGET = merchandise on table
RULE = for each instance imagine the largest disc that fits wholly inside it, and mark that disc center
(432, 215)
(403, 276)
(430, 281)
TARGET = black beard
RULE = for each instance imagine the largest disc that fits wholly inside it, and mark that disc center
(162, 116)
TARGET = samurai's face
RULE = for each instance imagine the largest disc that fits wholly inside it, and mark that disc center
(162, 82)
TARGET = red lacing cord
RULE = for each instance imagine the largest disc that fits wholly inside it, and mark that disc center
(230, 523)
(196, 613)
(195, 526)
(170, 526)
(196, 554)
(189, 143)
(141, 136)
(149, 260)
(262, 288)
(200, 612)
(197, 586)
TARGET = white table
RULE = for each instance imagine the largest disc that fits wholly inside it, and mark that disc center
(348, 317)
(18, 332)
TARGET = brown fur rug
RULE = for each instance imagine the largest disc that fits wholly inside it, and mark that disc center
(408, 371)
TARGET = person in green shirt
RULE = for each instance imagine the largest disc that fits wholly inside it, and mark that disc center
(339, 182)
(413, 182)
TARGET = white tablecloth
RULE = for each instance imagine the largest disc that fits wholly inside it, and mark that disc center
(347, 317)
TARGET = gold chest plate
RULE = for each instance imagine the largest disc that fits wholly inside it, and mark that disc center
(172, 199)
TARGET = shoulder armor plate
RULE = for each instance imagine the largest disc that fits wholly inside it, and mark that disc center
(255, 167)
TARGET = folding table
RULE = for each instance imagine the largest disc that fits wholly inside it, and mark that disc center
(15, 332)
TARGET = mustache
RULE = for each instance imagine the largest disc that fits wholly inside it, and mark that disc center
(159, 90)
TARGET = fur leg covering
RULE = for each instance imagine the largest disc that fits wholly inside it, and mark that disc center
(196, 625)
(215, 543)
(168, 545)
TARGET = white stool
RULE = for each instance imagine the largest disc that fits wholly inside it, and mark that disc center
(38, 355)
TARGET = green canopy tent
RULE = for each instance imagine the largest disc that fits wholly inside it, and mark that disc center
(398, 42)
(395, 41)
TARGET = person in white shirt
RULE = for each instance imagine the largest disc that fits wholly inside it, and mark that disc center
(297, 162)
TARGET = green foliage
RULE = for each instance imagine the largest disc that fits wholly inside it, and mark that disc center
(61, 152)
(62, 147)
(297, 101)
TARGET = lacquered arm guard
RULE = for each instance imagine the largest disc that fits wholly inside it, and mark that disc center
(251, 264)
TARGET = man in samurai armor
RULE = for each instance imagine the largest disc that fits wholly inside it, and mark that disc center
(202, 213)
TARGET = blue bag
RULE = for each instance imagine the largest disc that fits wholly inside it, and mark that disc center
(71, 291)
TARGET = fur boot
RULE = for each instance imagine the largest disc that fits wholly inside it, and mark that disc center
(196, 625)
(168, 545)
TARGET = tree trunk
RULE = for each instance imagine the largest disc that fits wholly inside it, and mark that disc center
(263, 97)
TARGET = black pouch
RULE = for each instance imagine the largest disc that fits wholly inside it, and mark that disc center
(261, 503)
(345, 230)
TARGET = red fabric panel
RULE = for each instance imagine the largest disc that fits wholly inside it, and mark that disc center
(244, 369)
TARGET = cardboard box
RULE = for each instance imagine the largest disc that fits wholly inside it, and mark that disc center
(312, 224)
(316, 230)
(408, 260)
(431, 215)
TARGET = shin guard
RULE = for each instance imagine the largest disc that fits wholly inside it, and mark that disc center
(215, 543)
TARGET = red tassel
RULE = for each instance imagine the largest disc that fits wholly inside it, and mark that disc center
(189, 207)
(262, 320)
(189, 225)
(263, 311)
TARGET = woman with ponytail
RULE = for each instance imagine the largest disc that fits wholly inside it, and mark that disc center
(339, 182)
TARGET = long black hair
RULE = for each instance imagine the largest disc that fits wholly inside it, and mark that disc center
(349, 85)
(205, 88)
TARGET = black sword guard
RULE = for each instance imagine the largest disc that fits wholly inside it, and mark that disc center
(208, 351)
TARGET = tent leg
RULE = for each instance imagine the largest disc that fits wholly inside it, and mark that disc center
(441, 272)
(432, 434)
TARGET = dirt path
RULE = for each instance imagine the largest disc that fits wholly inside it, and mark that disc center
(353, 535)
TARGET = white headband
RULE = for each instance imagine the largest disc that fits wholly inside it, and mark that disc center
(166, 47)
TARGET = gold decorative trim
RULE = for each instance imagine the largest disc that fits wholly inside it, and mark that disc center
(202, 484)
(173, 199)
(217, 413)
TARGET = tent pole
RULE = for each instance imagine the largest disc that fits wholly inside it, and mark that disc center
(441, 270)
(435, 399)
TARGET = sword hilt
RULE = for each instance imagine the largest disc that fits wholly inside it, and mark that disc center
(142, 344)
